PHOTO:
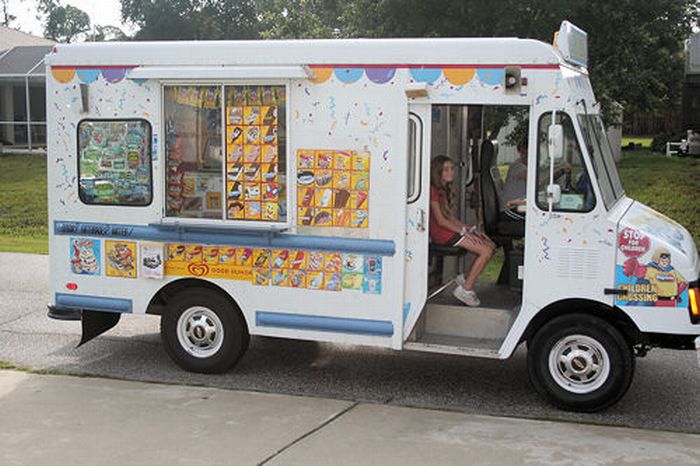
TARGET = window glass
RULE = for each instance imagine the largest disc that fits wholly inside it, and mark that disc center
(193, 151)
(114, 163)
(603, 152)
(570, 173)
(256, 159)
(414, 148)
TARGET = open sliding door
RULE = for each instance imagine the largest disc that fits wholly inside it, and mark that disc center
(418, 202)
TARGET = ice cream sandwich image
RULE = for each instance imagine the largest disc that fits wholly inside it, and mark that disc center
(305, 177)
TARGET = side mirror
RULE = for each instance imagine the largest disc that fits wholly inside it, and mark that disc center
(553, 194)
(555, 142)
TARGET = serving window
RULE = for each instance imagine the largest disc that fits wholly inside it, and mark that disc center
(226, 152)
(114, 162)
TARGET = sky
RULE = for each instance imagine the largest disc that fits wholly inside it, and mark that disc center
(101, 12)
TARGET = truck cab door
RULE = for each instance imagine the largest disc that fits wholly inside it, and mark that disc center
(417, 212)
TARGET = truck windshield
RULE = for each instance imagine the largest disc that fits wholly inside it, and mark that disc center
(601, 158)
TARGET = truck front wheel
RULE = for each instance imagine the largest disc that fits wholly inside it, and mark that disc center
(202, 331)
(580, 362)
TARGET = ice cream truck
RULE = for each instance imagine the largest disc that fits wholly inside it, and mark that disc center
(281, 189)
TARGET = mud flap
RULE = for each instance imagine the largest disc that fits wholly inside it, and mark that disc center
(96, 323)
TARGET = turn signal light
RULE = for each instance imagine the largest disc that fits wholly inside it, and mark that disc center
(694, 298)
(72, 286)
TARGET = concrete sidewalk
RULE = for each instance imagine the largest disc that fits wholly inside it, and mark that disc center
(47, 419)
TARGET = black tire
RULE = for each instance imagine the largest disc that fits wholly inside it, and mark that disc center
(586, 391)
(208, 310)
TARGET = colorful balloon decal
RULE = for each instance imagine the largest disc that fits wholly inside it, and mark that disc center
(349, 75)
(426, 75)
(459, 76)
(492, 76)
(113, 75)
(63, 75)
(322, 75)
(88, 76)
(380, 75)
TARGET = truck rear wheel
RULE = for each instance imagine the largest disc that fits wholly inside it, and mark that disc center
(204, 332)
(580, 362)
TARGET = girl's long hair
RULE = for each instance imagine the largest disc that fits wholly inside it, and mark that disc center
(444, 189)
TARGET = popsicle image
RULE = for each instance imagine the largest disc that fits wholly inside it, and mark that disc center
(280, 259)
(307, 197)
(298, 260)
(270, 135)
(307, 217)
(315, 260)
(262, 258)
(244, 255)
(234, 135)
(325, 200)
(316, 281)
(341, 198)
(270, 116)
(253, 115)
(361, 198)
(271, 172)
(252, 153)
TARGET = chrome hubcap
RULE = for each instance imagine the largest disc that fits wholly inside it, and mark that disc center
(200, 332)
(579, 364)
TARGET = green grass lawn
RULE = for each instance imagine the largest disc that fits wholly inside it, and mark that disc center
(670, 185)
(23, 203)
(645, 141)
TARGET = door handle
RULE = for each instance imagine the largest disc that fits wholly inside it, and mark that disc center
(420, 223)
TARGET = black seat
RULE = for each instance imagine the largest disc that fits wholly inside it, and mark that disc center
(441, 250)
(500, 228)
(495, 224)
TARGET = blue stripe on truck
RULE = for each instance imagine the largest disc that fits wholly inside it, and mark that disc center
(380, 328)
(93, 303)
(226, 236)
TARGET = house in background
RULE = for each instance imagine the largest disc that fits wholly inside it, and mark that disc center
(22, 89)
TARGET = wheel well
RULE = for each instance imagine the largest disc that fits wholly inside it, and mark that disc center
(613, 315)
(160, 300)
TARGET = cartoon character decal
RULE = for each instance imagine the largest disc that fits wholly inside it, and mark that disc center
(121, 259)
(650, 282)
(85, 256)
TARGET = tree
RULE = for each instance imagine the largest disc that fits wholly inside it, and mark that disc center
(300, 19)
(7, 18)
(63, 23)
(635, 48)
(105, 33)
(192, 19)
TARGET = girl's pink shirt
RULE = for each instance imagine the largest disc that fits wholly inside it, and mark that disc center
(438, 234)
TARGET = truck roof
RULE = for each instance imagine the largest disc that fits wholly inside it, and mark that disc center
(393, 52)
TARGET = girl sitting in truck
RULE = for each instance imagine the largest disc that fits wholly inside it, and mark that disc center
(448, 230)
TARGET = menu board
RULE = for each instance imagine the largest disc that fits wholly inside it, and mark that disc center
(333, 188)
(115, 162)
(254, 120)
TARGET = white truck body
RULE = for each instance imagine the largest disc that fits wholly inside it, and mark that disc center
(343, 96)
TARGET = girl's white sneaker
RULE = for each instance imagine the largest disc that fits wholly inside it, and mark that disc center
(467, 297)
(459, 280)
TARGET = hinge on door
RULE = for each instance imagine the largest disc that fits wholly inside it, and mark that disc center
(420, 223)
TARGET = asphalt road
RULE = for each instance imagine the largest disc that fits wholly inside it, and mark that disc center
(663, 394)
